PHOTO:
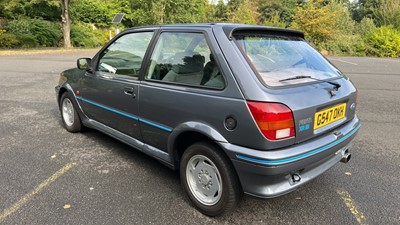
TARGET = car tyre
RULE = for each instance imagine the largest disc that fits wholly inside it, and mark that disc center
(69, 115)
(209, 179)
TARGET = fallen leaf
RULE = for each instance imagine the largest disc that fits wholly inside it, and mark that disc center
(348, 173)
(67, 206)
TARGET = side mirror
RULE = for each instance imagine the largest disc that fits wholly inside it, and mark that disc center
(84, 64)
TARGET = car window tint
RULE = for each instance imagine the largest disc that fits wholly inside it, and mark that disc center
(125, 55)
(184, 58)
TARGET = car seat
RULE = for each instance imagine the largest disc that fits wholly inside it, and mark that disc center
(210, 70)
(186, 68)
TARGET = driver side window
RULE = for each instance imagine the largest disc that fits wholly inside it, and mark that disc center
(124, 56)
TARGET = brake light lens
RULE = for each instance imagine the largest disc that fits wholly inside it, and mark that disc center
(273, 119)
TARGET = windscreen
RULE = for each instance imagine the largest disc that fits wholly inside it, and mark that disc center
(276, 58)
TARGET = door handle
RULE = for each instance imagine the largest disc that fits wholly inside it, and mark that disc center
(128, 90)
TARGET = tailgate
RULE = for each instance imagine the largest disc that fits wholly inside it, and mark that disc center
(319, 109)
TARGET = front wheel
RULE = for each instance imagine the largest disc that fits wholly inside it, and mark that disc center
(69, 115)
(209, 179)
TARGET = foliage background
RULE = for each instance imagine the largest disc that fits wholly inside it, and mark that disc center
(336, 27)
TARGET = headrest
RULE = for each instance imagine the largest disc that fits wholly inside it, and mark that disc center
(188, 63)
(212, 58)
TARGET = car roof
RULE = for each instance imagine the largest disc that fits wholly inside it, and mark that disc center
(228, 28)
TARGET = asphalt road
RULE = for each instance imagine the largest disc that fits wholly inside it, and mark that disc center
(50, 176)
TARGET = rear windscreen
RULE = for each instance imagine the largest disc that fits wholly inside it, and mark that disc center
(276, 58)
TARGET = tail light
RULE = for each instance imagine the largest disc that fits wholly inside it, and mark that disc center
(273, 119)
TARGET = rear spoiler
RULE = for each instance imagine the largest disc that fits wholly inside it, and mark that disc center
(229, 30)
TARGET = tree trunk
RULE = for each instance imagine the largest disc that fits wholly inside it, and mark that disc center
(66, 23)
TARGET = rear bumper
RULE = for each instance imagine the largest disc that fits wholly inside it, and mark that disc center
(269, 174)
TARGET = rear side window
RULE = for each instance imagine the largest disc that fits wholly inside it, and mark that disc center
(276, 58)
(184, 58)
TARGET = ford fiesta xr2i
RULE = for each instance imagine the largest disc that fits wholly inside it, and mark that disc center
(235, 108)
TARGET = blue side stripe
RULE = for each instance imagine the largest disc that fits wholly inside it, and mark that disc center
(125, 114)
(301, 156)
(109, 109)
(155, 125)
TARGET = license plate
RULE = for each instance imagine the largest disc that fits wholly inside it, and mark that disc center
(329, 115)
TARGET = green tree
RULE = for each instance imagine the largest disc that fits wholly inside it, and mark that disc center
(243, 11)
(316, 20)
(383, 12)
(2, 8)
(233, 5)
(96, 12)
(145, 12)
(221, 12)
(66, 23)
(388, 13)
(364, 8)
(276, 13)
(44, 9)
(268, 9)
(275, 21)
(347, 40)
(288, 9)
(344, 23)
(365, 27)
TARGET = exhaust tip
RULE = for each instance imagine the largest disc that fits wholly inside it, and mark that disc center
(346, 158)
(296, 178)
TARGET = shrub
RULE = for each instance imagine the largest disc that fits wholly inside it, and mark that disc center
(27, 41)
(365, 27)
(103, 35)
(345, 44)
(83, 35)
(8, 40)
(46, 33)
(384, 42)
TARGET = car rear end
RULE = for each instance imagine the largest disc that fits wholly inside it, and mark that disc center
(303, 108)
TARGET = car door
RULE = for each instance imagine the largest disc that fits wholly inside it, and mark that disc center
(174, 89)
(110, 93)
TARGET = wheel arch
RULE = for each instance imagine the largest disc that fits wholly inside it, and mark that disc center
(60, 93)
(66, 87)
(189, 133)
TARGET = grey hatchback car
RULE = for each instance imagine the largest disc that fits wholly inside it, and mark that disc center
(235, 108)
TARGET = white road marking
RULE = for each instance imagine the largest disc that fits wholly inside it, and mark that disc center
(343, 61)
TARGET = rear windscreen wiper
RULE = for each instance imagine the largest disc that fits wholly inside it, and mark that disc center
(336, 85)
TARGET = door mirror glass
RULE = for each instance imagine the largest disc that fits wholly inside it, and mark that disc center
(84, 63)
